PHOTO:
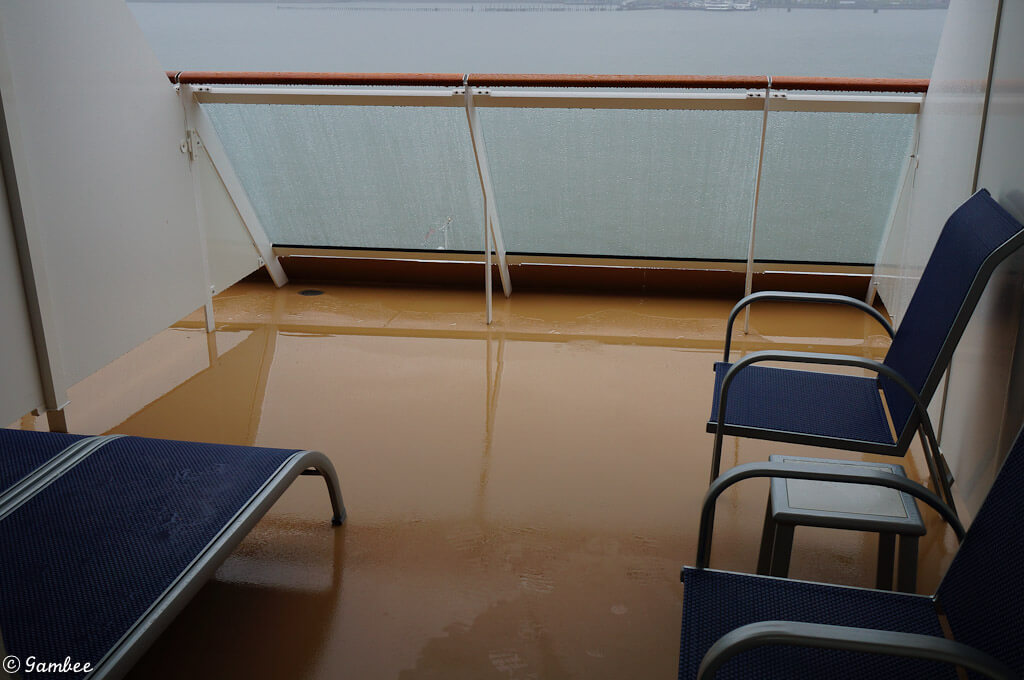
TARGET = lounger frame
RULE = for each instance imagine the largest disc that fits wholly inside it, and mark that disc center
(150, 625)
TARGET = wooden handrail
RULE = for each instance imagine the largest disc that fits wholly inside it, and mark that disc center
(302, 78)
(583, 80)
(919, 85)
(911, 85)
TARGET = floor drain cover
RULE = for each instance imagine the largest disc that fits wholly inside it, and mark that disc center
(311, 291)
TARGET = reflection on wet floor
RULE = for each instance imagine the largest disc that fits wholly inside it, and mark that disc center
(521, 496)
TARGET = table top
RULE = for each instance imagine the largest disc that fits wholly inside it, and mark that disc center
(841, 505)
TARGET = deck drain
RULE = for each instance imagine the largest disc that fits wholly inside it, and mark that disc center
(310, 292)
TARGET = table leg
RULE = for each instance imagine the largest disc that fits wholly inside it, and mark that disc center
(906, 578)
(886, 560)
(764, 558)
(782, 549)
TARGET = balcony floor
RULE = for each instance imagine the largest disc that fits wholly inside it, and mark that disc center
(521, 496)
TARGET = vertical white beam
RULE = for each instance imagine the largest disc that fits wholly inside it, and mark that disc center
(191, 147)
(986, 103)
(749, 284)
(219, 158)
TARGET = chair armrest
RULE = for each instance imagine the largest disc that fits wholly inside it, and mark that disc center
(931, 450)
(866, 640)
(822, 472)
(802, 297)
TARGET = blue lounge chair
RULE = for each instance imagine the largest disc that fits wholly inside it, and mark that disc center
(744, 626)
(847, 412)
(22, 453)
(105, 539)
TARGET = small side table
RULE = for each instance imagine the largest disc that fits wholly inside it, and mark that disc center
(834, 505)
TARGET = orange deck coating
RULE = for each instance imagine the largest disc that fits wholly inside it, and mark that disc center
(520, 496)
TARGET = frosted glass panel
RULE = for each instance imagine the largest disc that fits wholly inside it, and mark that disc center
(675, 184)
(828, 185)
(356, 176)
(628, 183)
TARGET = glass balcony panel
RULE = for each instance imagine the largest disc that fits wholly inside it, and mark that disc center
(356, 176)
(828, 184)
(641, 183)
(675, 184)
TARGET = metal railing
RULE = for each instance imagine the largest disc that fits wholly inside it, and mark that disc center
(472, 92)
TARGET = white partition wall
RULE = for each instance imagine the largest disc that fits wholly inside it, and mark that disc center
(949, 126)
(985, 404)
(228, 246)
(103, 198)
(962, 140)
(94, 130)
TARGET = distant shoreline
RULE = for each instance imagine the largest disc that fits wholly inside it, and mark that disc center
(503, 6)
(562, 5)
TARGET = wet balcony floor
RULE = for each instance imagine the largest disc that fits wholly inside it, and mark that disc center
(521, 496)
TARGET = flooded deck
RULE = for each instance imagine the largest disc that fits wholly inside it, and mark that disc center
(521, 496)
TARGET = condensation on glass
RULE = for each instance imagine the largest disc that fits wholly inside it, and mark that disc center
(356, 176)
(828, 185)
(636, 183)
(643, 183)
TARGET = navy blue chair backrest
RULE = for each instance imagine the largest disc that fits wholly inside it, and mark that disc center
(943, 300)
(982, 594)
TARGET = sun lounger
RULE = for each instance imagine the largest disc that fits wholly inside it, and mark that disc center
(105, 539)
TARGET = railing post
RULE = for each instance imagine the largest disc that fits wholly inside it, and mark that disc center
(749, 284)
(492, 228)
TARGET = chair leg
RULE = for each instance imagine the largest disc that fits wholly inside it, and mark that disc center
(782, 549)
(764, 558)
(886, 560)
(906, 577)
(716, 453)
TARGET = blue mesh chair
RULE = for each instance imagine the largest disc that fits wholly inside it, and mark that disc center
(847, 412)
(105, 539)
(745, 626)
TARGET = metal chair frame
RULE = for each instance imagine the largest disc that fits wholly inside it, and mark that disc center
(917, 421)
(802, 634)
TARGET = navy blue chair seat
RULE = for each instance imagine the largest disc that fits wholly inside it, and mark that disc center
(718, 602)
(97, 561)
(774, 403)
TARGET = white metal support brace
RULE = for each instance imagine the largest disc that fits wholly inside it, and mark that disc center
(492, 228)
(749, 284)
(190, 147)
(202, 124)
